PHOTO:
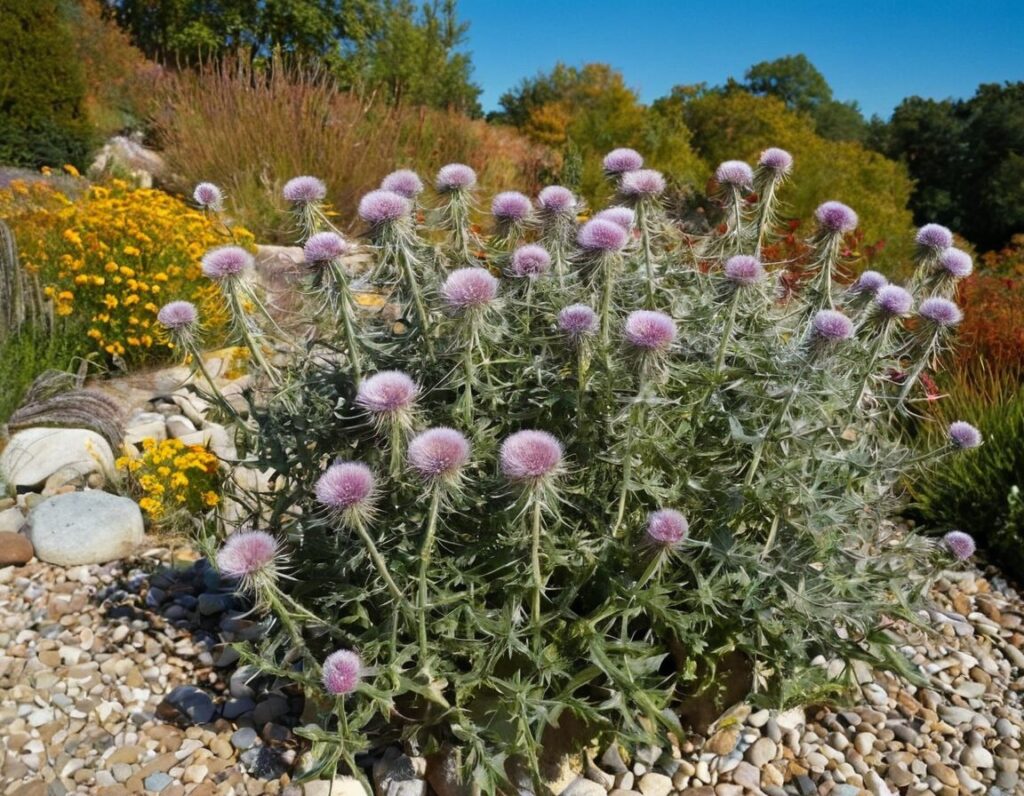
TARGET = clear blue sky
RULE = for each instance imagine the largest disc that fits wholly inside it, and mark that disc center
(871, 51)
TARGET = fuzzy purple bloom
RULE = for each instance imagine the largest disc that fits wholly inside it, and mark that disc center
(960, 544)
(404, 182)
(438, 453)
(601, 235)
(209, 196)
(387, 392)
(934, 236)
(346, 485)
(735, 173)
(650, 330)
(964, 435)
(511, 206)
(894, 301)
(530, 261)
(870, 282)
(342, 671)
(177, 315)
(455, 177)
(832, 326)
(226, 261)
(322, 247)
(940, 311)
(667, 527)
(530, 456)
(836, 217)
(621, 160)
(247, 553)
(556, 199)
(304, 190)
(469, 288)
(380, 207)
(642, 183)
(956, 262)
(622, 216)
(578, 320)
(744, 270)
(778, 160)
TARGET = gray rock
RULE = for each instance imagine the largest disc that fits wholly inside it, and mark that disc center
(34, 454)
(652, 784)
(762, 752)
(85, 528)
(187, 704)
(234, 708)
(243, 738)
(157, 782)
(11, 520)
(584, 787)
(339, 786)
(397, 774)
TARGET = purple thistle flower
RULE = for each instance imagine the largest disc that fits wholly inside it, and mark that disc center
(894, 301)
(346, 486)
(964, 435)
(622, 216)
(836, 217)
(621, 160)
(247, 554)
(209, 196)
(226, 261)
(322, 247)
(941, 312)
(455, 177)
(578, 321)
(177, 315)
(404, 182)
(832, 326)
(960, 544)
(744, 270)
(530, 456)
(438, 454)
(735, 173)
(601, 235)
(304, 190)
(511, 206)
(777, 160)
(934, 236)
(870, 282)
(956, 262)
(556, 199)
(469, 288)
(650, 330)
(642, 183)
(388, 392)
(380, 207)
(667, 527)
(530, 261)
(342, 671)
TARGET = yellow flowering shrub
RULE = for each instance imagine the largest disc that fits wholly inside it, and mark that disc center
(173, 479)
(109, 257)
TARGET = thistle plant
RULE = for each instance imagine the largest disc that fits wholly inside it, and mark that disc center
(601, 462)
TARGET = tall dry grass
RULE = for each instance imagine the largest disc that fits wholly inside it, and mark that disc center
(249, 130)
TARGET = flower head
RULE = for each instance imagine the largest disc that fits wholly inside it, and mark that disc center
(578, 321)
(960, 544)
(247, 555)
(735, 173)
(387, 393)
(621, 160)
(469, 288)
(956, 262)
(322, 247)
(601, 235)
(226, 261)
(744, 270)
(836, 217)
(178, 315)
(941, 312)
(964, 435)
(404, 182)
(622, 216)
(832, 326)
(511, 206)
(894, 301)
(209, 196)
(934, 236)
(346, 486)
(438, 454)
(667, 527)
(342, 671)
(530, 456)
(650, 330)
(455, 177)
(304, 190)
(870, 282)
(777, 160)
(530, 261)
(642, 183)
(380, 207)
(556, 199)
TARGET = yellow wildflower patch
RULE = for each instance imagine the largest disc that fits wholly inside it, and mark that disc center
(175, 480)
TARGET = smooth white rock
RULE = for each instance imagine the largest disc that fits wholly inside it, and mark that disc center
(34, 454)
(85, 528)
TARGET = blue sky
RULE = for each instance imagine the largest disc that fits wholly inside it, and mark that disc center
(871, 51)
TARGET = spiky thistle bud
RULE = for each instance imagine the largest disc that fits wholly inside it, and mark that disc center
(963, 435)
(599, 235)
(178, 316)
(455, 177)
(469, 289)
(649, 331)
(940, 313)
(622, 160)
(208, 196)
(642, 184)
(531, 457)
(383, 207)
(530, 261)
(556, 200)
(892, 301)
(404, 182)
(955, 263)
(437, 456)
(743, 270)
(831, 326)
(666, 528)
(934, 238)
(342, 671)
(511, 206)
(735, 174)
(250, 557)
(389, 395)
(304, 190)
(835, 218)
(624, 217)
(322, 247)
(578, 321)
(226, 262)
(960, 544)
(349, 489)
(776, 160)
(869, 282)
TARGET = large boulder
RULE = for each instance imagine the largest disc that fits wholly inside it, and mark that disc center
(33, 455)
(123, 155)
(84, 528)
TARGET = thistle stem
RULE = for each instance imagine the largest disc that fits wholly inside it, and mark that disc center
(759, 450)
(409, 274)
(918, 369)
(737, 204)
(581, 377)
(242, 320)
(652, 567)
(764, 215)
(607, 273)
(382, 568)
(426, 550)
(345, 307)
(469, 370)
(876, 347)
(634, 420)
(730, 322)
(645, 243)
(538, 581)
(397, 438)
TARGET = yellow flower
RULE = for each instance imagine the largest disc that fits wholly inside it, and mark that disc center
(131, 251)
(211, 498)
(71, 170)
